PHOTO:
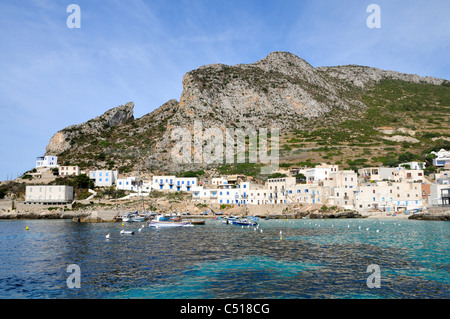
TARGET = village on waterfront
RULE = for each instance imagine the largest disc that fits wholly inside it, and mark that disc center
(323, 191)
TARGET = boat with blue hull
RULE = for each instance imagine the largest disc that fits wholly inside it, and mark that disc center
(241, 222)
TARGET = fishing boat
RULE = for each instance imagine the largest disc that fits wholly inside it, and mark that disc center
(163, 221)
(240, 222)
(198, 222)
(133, 217)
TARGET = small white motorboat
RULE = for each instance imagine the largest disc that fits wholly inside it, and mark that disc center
(127, 232)
(162, 221)
(132, 217)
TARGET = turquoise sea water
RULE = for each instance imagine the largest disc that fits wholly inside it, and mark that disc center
(308, 259)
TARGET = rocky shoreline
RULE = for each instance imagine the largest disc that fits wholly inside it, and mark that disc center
(431, 216)
(306, 212)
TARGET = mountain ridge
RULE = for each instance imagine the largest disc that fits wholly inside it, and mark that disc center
(280, 90)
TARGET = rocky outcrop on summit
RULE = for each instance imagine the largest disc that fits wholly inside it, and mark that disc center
(279, 91)
(63, 139)
(361, 76)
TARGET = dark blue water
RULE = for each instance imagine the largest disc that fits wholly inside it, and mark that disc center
(313, 259)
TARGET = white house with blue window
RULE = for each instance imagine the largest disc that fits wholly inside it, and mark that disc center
(104, 178)
(173, 183)
(47, 161)
(128, 183)
(389, 196)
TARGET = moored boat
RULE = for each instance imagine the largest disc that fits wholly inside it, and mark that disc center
(240, 222)
(132, 217)
(162, 221)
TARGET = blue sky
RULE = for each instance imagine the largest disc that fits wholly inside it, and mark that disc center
(135, 50)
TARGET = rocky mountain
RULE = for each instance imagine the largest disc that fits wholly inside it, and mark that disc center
(64, 139)
(281, 90)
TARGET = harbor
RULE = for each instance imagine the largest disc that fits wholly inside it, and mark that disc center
(278, 259)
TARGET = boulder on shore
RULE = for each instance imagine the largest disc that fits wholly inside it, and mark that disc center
(431, 216)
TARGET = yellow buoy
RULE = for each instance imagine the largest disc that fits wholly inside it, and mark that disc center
(26, 228)
(122, 224)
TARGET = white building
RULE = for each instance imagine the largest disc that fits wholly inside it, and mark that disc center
(395, 174)
(104, 178)
(389, 196)
(69, 171)
(440, 194)
(173, 183)
(219, 181)
(413, 165)
(51, 194)
(320, 173)
(442, 158)
(128, 183)
(47, 161)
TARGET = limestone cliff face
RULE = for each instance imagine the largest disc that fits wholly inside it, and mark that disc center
(280, 90)
(63, 139)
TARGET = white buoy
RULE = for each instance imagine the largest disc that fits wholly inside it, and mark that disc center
(260, 230)
(367, 228)
(378, 230)
(107, 236)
